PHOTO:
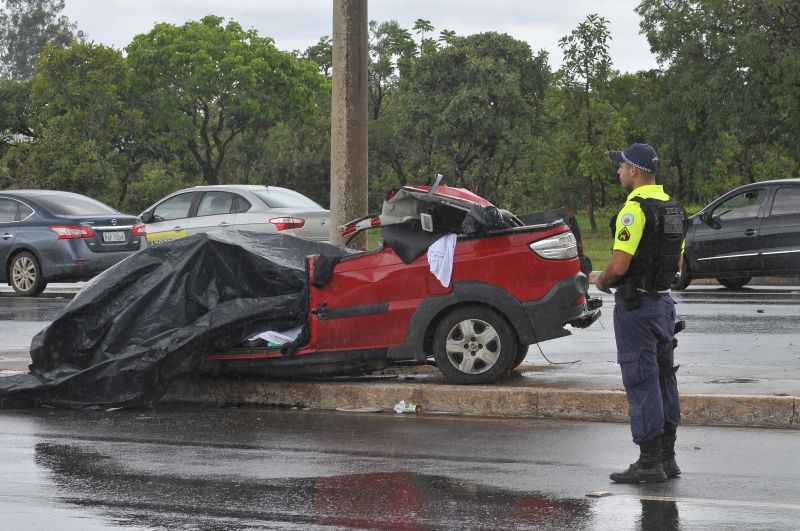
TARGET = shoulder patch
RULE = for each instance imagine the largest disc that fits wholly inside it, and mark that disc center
(624, 235)
(627, 219)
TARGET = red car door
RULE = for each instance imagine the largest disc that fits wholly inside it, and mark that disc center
(368, 302)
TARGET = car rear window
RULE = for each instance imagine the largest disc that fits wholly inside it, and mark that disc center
(275, 198)
(8, 210)
(24, 212)
(73, 205)
(215, 203)
(787, 201)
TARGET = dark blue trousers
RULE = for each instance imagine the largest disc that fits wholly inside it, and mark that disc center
(645, 353)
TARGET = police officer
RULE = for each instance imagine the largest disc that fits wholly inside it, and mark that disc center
(648, 235)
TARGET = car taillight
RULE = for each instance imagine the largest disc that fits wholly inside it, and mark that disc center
(73, 232)
(138, 230)
(287, 223)
(560, 247)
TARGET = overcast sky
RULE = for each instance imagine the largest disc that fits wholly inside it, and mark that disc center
(296, 24)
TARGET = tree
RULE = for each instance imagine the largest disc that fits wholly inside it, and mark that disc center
(389, 46)
(732, 71)
(471, 110)
(91, 134)
(422, 27)
(15, 110)
(322, 54)
(26, 27)
(212, 82)
(585, 71)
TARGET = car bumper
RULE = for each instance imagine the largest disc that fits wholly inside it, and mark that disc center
(566, 303)
(75, 262)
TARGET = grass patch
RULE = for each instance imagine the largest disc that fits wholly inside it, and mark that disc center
(374, 239)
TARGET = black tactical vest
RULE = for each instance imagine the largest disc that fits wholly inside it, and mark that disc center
(655, 263)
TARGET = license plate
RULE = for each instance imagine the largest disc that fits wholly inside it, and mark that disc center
(114, 237)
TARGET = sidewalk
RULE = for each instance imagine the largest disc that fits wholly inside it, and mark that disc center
(507, 400)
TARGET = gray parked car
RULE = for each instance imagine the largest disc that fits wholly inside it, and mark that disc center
(245, 207)
(48, 236)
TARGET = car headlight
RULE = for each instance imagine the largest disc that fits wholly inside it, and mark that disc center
(560, 247)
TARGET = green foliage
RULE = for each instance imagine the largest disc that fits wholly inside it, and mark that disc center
(322, 54)
(729, 92)
(470, 110)
(26, 27)
(208, 102)
(212, 81)
(592, 124)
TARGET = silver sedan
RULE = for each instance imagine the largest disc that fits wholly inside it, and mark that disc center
(244, 207)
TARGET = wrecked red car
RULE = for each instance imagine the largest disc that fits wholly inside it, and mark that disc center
(455, 280)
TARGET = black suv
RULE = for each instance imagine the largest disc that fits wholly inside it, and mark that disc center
(753, 230)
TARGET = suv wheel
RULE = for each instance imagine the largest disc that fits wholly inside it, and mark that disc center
(683, 278)
(26, 275)
(734, 283)
(474, 345)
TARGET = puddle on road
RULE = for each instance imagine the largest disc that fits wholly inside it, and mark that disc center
(390, 500)
(89, 489)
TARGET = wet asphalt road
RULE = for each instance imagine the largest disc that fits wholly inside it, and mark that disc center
(263, 469)
(736, 342)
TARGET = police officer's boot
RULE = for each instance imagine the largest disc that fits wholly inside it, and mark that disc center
(671, 468)
(648, 469)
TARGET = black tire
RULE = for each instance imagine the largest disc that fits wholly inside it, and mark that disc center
(485, 363)
(25, 275)
(734, 283)
(684, 278)
(521, 355)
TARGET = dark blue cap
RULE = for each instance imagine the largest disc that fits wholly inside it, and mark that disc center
(643, 156)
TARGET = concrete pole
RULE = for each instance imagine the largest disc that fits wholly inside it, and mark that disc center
(349, 116)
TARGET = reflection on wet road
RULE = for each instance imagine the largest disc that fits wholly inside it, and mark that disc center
(263, 469)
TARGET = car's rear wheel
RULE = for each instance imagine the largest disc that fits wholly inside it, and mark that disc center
(734, 283)
(26, 275)
(474, 345)
(683, 278)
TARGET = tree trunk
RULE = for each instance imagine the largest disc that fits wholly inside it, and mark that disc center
(602, 192)
(681, 193)
(210, 173)
(123, 193)
(590, 207)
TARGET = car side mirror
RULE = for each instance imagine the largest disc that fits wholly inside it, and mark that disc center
(147, 217)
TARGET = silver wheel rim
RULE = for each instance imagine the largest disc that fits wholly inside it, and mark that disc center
(473, 346)
(23, 274)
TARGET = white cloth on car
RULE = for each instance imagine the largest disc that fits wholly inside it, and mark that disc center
(440, 258)
(279, 339)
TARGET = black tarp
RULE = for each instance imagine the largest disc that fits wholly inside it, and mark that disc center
(158, 313)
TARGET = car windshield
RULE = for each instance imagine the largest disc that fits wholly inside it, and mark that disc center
(281, 198)
(73, 205)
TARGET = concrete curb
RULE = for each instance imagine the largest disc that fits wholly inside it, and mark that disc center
(485, 401)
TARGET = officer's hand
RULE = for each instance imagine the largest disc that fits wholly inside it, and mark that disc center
(599, 284)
